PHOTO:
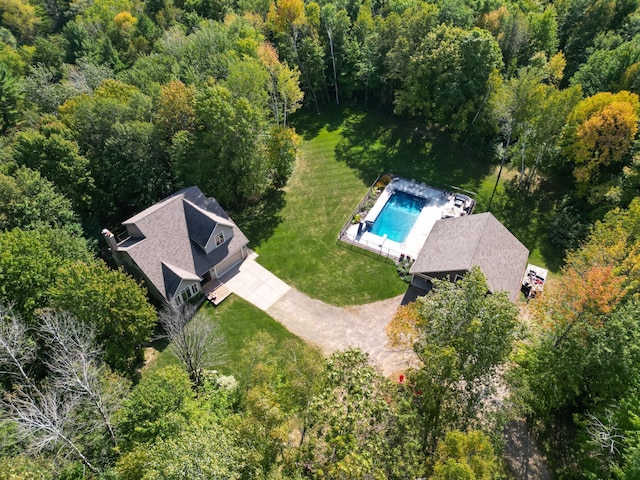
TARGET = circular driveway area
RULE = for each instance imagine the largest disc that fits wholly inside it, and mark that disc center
(329, 327)
(334, 328)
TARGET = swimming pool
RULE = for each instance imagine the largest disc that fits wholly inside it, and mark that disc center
(398, 216)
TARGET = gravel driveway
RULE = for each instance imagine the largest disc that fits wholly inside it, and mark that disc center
(334, 328)
(330, 328)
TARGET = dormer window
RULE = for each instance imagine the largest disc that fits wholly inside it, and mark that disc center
(219, 239)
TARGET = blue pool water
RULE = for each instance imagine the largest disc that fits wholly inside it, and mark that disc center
(398, 216)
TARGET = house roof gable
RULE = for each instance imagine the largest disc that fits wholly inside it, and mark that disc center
(169, 249)
(201, 223)
(457, 244)
(173, 276)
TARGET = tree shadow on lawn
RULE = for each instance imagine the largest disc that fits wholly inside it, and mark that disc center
(259, 221)
(308, 122)
(527, 214)
(372, 143)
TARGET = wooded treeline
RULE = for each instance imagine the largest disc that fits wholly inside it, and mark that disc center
(117, 103)
(107, 106)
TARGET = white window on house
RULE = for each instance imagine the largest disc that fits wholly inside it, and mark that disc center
(219, 239)
(186, 293)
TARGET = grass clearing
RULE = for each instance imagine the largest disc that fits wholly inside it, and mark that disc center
(238, 322)
(342, 153)
(303, 247)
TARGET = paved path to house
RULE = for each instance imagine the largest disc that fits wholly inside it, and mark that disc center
(255, 283)
(330, 328)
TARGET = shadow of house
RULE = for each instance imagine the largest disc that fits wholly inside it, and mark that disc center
(179, 245)
(414, 292)
(455, 245)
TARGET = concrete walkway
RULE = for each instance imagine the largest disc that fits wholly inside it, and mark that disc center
(329, 327)
(255, 284)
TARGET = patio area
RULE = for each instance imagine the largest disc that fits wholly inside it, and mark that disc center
(215, 291)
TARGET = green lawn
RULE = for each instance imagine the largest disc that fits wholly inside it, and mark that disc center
(343, 151)
(238, 321)
(301, 245)
(295, 232)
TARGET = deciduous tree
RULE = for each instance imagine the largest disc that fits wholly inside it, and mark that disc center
(51, 151)
(75, 366)
(110, 301)
(461, 336)
(531, 115)
(30, 262)
(68, 406)
(609, 70)
(201, 452)
(227, 148)
(30, 202)
(354, 425)
(582, 351)
(134, 167)
(298, 39)
(467, 455)
(175, 108)
(160, 406)
(581, 368)
(282, 148)
(458, 66)
(599, 136)
(285, 96)
(10, 99)
(613, 243)
(20, 17)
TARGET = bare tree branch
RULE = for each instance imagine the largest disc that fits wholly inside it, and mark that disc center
(43, 419)
(75, 400)
(605, 435)
(196, 342)
(76, 366)
(17, 351)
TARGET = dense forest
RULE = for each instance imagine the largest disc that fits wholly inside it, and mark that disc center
(107, 106)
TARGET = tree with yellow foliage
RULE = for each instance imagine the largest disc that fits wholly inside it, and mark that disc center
(286, 15)
(465, 455)
(20, 17)
(175, 108)
(598, 138)
(285, 96)
(582, 351)
(125, 25)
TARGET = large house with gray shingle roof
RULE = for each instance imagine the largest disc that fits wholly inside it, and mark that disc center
(179, 245)
(454, 245)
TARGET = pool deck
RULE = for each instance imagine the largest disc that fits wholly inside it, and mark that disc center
(440, 204)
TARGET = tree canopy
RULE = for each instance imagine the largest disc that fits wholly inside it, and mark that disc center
(108, 106)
